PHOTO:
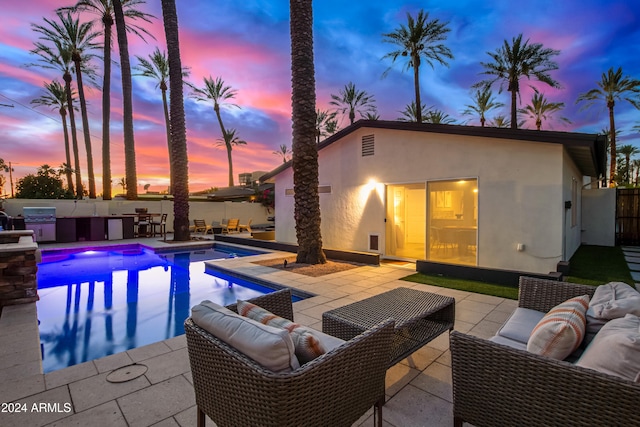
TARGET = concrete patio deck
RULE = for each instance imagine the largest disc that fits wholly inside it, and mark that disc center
(418, 389)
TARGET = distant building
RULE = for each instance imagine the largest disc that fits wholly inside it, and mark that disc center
(250, 179)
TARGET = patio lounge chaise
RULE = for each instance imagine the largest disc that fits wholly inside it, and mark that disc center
(334, 389)
(499, 385)
(246, 226)
(200, 226)
(231, 226)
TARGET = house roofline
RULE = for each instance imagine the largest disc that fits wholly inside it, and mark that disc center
(570, 140)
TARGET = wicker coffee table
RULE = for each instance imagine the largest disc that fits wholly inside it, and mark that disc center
(420, 317)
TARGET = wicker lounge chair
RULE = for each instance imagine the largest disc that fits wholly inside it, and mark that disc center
(334, 389)
(496, 385)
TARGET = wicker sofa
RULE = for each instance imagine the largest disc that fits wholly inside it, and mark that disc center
(334, 389)
(497, 385)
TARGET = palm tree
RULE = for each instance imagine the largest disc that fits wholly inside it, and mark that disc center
(371, 115)
(56, 97)
(541, 109)
(180, 162)
(438, 117)
(513, 61)
(79, 39)
(127, 103)
(419, 39)
(627, 151)
(500, 121)
(607, 148)
(636, 167)
(305, 151)
(218, 92)
(58, 58)
(229, 139)
(483, 102)
(283, 151)
(612, 87)
(157, 68)
(104, 11)
(322, 120)
(410, 112)
(352, 100)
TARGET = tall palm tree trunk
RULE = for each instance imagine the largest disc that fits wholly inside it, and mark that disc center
(74, 136)
(127, 100)
(85, 127)
(165, 105)
(305, 153)
(612, 145)
(230, 160)
(179, 165)
(514, 109)
(107, 20)
(67, 151)
(216, 108)
(416, 83)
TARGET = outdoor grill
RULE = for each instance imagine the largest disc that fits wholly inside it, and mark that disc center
(42, 221)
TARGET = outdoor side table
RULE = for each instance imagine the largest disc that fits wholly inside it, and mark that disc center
(419, 316)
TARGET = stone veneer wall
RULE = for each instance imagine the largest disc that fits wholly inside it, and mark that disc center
(18, 268)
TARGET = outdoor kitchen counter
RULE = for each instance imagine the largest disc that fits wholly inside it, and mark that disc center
(93, 228)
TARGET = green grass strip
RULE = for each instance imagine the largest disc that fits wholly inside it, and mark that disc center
(597, 265)
(464, 285)
(590, 265)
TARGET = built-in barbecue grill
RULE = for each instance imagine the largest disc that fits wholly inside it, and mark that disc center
(42, 221)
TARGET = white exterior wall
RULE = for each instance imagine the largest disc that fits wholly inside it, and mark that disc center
(599, 217)
(520, 192)
(572, 233)
(209, 211)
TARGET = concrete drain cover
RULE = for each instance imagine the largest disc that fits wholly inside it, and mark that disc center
(127, 373)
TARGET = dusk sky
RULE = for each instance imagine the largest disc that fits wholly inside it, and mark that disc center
(247, 44)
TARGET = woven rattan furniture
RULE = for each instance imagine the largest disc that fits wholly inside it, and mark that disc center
(496, 385)
(335, 389)
(419, 317)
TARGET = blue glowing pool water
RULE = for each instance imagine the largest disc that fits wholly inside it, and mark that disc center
(94, 303)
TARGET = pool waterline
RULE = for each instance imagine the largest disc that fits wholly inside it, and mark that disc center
(121, 304)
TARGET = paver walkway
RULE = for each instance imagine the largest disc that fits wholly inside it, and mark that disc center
(632, 256)
(418, 388)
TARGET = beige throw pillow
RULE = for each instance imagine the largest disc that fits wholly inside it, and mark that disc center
(615, 350)
(270, 347)
(307, 345)
(561, 330)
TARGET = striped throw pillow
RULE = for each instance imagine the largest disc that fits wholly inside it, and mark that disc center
(307, 346)
(561, 330)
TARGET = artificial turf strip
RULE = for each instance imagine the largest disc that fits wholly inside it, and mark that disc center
(464, 285)
(597, 265)
(590, 265)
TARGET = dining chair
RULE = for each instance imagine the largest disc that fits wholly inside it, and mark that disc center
(160, 226)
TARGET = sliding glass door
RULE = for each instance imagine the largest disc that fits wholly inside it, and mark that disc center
(452, 221)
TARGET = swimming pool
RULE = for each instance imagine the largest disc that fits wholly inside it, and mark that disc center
(94, 303)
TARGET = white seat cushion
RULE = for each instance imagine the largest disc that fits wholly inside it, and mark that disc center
(498, 339)
(328, 342)
(519, 326)
(270, 347)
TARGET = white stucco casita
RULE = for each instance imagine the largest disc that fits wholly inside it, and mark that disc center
(396, 188)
